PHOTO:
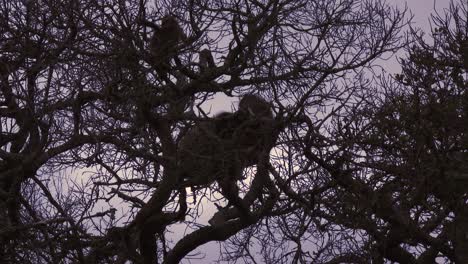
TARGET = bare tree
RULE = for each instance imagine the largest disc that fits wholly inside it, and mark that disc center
(403, 177)
(90, 125)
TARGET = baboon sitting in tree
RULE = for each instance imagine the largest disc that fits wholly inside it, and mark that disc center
(221, 148)
(164, 42)
(206, 60)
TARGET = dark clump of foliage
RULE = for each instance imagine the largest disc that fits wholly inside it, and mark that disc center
(97, 96)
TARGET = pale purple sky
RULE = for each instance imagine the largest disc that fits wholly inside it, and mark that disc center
(422, 9)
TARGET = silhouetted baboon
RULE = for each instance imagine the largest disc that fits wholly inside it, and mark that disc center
(207, 151)
(164, 42)
(255, 132)
(255, 106)
(220, 149)
(206, 60)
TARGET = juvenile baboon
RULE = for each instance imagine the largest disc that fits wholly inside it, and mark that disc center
(164, 42)
(254, 133)
(206, 60)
